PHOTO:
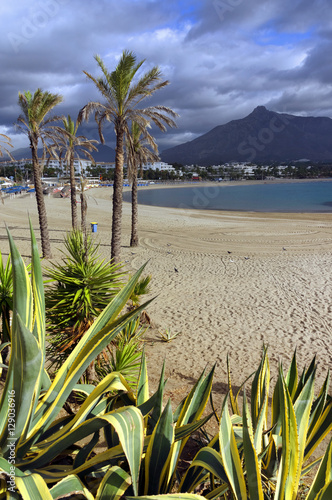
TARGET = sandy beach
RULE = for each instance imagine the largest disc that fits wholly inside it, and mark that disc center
(274, 288)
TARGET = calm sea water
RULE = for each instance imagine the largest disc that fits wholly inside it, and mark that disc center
(287, 197)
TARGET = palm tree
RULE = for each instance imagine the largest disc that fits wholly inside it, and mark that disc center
(121, 100)
(34, 123)
(70, 145)
(7, 143)
(138, 153)
(5, 140)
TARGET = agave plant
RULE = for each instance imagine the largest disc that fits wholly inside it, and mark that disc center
(167, 336)
(251, 457)
(6, 297)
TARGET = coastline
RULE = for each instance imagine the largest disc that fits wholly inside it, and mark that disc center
(220, 302)
(243, 182)
(203, 194)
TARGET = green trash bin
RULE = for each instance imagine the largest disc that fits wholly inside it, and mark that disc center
(94, 227)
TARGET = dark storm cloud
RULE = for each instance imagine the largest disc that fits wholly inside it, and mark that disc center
(222, 57)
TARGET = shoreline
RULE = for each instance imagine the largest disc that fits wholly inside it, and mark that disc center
(210, 184)
(229, 183)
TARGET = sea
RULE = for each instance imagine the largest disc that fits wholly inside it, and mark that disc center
(307, 197)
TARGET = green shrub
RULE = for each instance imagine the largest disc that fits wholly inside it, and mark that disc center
(142, 288)
(79, 288)
(124, 354)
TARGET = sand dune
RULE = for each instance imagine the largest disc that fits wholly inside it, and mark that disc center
(274, 288)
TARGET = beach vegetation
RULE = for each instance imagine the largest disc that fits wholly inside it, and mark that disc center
(167, 335)
(274, 444)
(139, 151)
(71, 145)
(46, 454)
(78, 288)
(142, 287)
(257, 456)
(36, 122)
(32, 435)
(124, 354)
(122, 96)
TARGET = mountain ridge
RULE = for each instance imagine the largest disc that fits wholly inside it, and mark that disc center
(261, 136)
(104, 154)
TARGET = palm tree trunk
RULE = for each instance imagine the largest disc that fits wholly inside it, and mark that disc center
(41, 208)
(73, 193)
(91, 373)
(134, 211)
(117, 198)
(84, 209)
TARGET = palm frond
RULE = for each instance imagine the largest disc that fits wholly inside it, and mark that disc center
(7, 144)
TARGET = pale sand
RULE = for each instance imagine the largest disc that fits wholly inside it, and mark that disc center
(221, 303)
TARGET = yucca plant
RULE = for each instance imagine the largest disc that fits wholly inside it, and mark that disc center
(141, 288)
(124, 354)
(79, 288)
(253, 457)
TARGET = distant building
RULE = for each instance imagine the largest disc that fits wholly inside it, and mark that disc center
(80, 165)
(159, 165)
(16, 163)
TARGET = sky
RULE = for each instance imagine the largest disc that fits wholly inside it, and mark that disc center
(222, 57)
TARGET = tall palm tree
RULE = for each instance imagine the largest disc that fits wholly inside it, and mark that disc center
(138, 154)
(6, 143)
(122, 96)
(36, 125)
(70, 145)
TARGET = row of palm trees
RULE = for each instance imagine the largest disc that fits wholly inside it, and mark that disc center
(122, 93)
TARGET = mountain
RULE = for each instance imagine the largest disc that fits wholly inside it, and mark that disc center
(262, 136)
(104, 153)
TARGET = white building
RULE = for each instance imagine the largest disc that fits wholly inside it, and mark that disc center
(79, 165)
(158, 165)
